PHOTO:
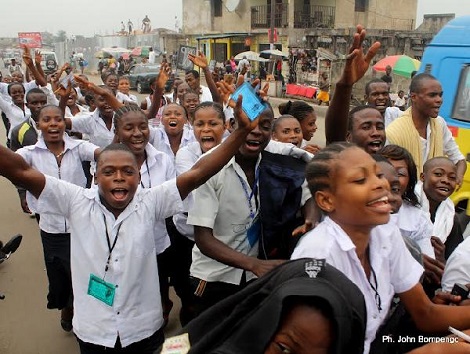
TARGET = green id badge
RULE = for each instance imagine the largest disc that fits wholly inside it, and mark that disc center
(101, 290)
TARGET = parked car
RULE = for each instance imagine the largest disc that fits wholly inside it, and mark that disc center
(49, 62)
(140, 76)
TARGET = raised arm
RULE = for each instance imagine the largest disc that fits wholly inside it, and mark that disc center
(201, 61)
(336, 119)
(108, 95)
(40, 80)
(20, 173)
(209, 165)
(163, 77)
(37, 62)
(64, 93)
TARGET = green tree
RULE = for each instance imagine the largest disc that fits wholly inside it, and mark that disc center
(61, 36)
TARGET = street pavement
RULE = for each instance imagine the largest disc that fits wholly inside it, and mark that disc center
(26, 326)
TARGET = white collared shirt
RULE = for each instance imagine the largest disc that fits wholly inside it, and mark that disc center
(70, 170)
(14, 113)
(157, 169)
(221, 205)
(186, 157)
(416, 225)
(92, 124)
(27, 86)
(392, 113)
(205, 94)
(451, 149)
(396, 270)
(457, 268)
(159, 139)
(136, 312)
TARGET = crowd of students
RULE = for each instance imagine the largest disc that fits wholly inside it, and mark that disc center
(186, 190)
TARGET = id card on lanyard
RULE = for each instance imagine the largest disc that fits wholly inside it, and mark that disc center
(98, 287)
(254, 231)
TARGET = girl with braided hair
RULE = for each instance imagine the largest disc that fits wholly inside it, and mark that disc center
(357, 238)
(305, 114)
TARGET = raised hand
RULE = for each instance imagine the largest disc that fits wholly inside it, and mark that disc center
(64, 92)
(27, 56)
(37, 57)
(163, 75)
(199, 60)
(225, 91)
(356, 62)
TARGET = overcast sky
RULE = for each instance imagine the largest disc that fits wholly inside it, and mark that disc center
(89, 17)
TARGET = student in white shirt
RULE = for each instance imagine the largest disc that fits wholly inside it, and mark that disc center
(156, 167)
(123, 89)
(209, 127)
(14, 108)
(55, 154)
(356, 238)
(173, 133)
(194, 81)
(113, 249)
(17, 76)
(98, 124)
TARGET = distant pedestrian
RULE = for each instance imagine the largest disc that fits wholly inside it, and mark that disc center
(130, 26)
(14, 66)
(324, 85)
(387, 77)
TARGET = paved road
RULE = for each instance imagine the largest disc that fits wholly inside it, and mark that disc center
(26, 326)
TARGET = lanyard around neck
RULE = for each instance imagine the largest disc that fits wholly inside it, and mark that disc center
(148, 173)
(249, 196)
(110, 247)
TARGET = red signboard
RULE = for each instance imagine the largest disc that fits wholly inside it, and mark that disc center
(274, 37)
(30, 39)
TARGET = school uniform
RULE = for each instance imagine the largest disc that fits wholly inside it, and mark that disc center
(395, 270)
(14, 114)
(205, 94)
(27, 86)
(54, 228)
(457, 268)
(135, 312)
(156, 169)
(122, 97)
(445, 225)
(159, 139)
(92, 124)
(231, 208)
(416, 225)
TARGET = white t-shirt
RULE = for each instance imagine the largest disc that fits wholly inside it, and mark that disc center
(395, 269)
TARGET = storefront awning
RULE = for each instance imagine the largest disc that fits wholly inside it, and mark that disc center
(222, 35)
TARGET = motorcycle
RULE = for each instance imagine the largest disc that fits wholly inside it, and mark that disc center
(8, 249)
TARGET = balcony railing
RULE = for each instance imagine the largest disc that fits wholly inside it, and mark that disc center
(315, 16)
(261, 16)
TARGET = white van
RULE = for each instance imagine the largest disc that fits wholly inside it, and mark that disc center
(49, 62)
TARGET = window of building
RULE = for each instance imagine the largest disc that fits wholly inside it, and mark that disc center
(217, 8)
(360, 5)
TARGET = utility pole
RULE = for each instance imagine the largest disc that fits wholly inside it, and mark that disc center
(273, 14)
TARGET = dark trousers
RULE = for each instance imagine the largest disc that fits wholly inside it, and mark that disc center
(57, 259)
(207, 294)
(145, 346)
(173, 268)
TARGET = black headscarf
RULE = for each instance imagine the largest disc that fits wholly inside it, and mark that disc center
(247, 321)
